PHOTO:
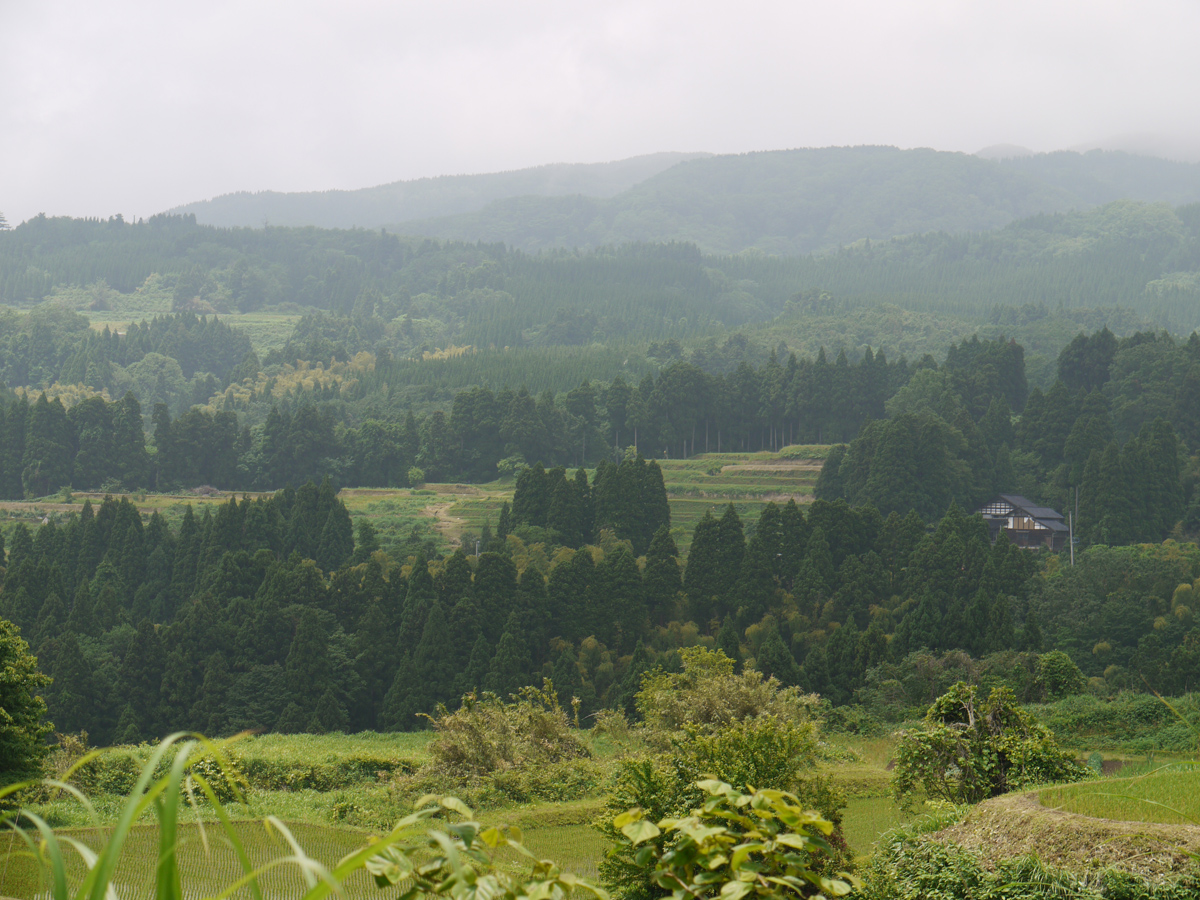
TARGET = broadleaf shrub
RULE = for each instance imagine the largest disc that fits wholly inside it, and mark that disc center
(968, 751)
(709, 722)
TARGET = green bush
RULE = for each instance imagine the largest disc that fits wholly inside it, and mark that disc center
(1058, 676)
(269, 774)
(1129, 720)
(707, 693)
(707, 722)
(487, 735)
(494, 752)
(968, 751)
(551, 783)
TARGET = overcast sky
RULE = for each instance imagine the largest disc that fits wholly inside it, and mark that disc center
(111, 106)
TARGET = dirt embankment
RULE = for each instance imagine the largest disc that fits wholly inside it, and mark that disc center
(1018, 825)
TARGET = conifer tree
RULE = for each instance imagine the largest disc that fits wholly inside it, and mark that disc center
(774, 660)
(728, 641)
(586, 504)
(754, 591)
(308, 669)
(51, 619)
(565, 513)
(208, 713)
(661, 579)
(292, 720)
(181, 681)
(397, 713)
(568, 586)
(700, 577)
(533, 611)
(655, 512)
(731, 548)
(495, 591)
(20, 547)
(454, 580)
(140, 678)
(336, 544)
(72, 693)
(631, 682)
(81, 619)
(365, 544)
(472, 677)
(419, 595)
(618, 604)
(433, 663)
(328, 716)
(509, 670)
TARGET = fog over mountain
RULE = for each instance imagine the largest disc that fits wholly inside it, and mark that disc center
(423, 198)
(784, 202)
(135, 107)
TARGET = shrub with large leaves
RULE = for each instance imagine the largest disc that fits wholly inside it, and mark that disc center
(758, 844)
(708, 722)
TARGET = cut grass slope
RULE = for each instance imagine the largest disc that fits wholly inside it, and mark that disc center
(1017, 825)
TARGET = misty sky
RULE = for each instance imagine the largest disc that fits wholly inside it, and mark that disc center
(133, 107)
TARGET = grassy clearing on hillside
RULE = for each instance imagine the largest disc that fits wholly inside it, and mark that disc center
(169, 506)
(401, 514)
(312, 748)
(866, 818)
(1170, 795)
(104, 307)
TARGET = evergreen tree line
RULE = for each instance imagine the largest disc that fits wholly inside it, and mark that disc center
(269, 614)
(52, 344)
(1109, 443)
(485, 294)
(630, 499)
(1123, 254)
(681, 412)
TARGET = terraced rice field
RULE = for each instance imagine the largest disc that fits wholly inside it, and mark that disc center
(1170, 795)
(206, 869)
(694, 486)
(208, 864)
(447, 512)
(747, 480)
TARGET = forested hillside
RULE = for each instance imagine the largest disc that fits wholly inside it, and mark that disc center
(403, 201)
(795, 202)
(788, 202)
(1127, 265)
(269, 615)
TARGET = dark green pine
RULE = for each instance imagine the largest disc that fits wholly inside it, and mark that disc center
(661, 579)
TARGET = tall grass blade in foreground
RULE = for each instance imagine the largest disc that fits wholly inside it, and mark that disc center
(458, 860)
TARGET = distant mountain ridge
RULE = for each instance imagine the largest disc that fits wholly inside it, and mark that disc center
(791, 202)
(783, 202)
(424, 198)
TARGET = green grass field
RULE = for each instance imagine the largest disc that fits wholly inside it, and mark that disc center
(328, 748)
(208, 864)
(866, 818)
(1170, 795)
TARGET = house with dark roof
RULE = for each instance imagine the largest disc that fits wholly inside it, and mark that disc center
(1026, 524)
